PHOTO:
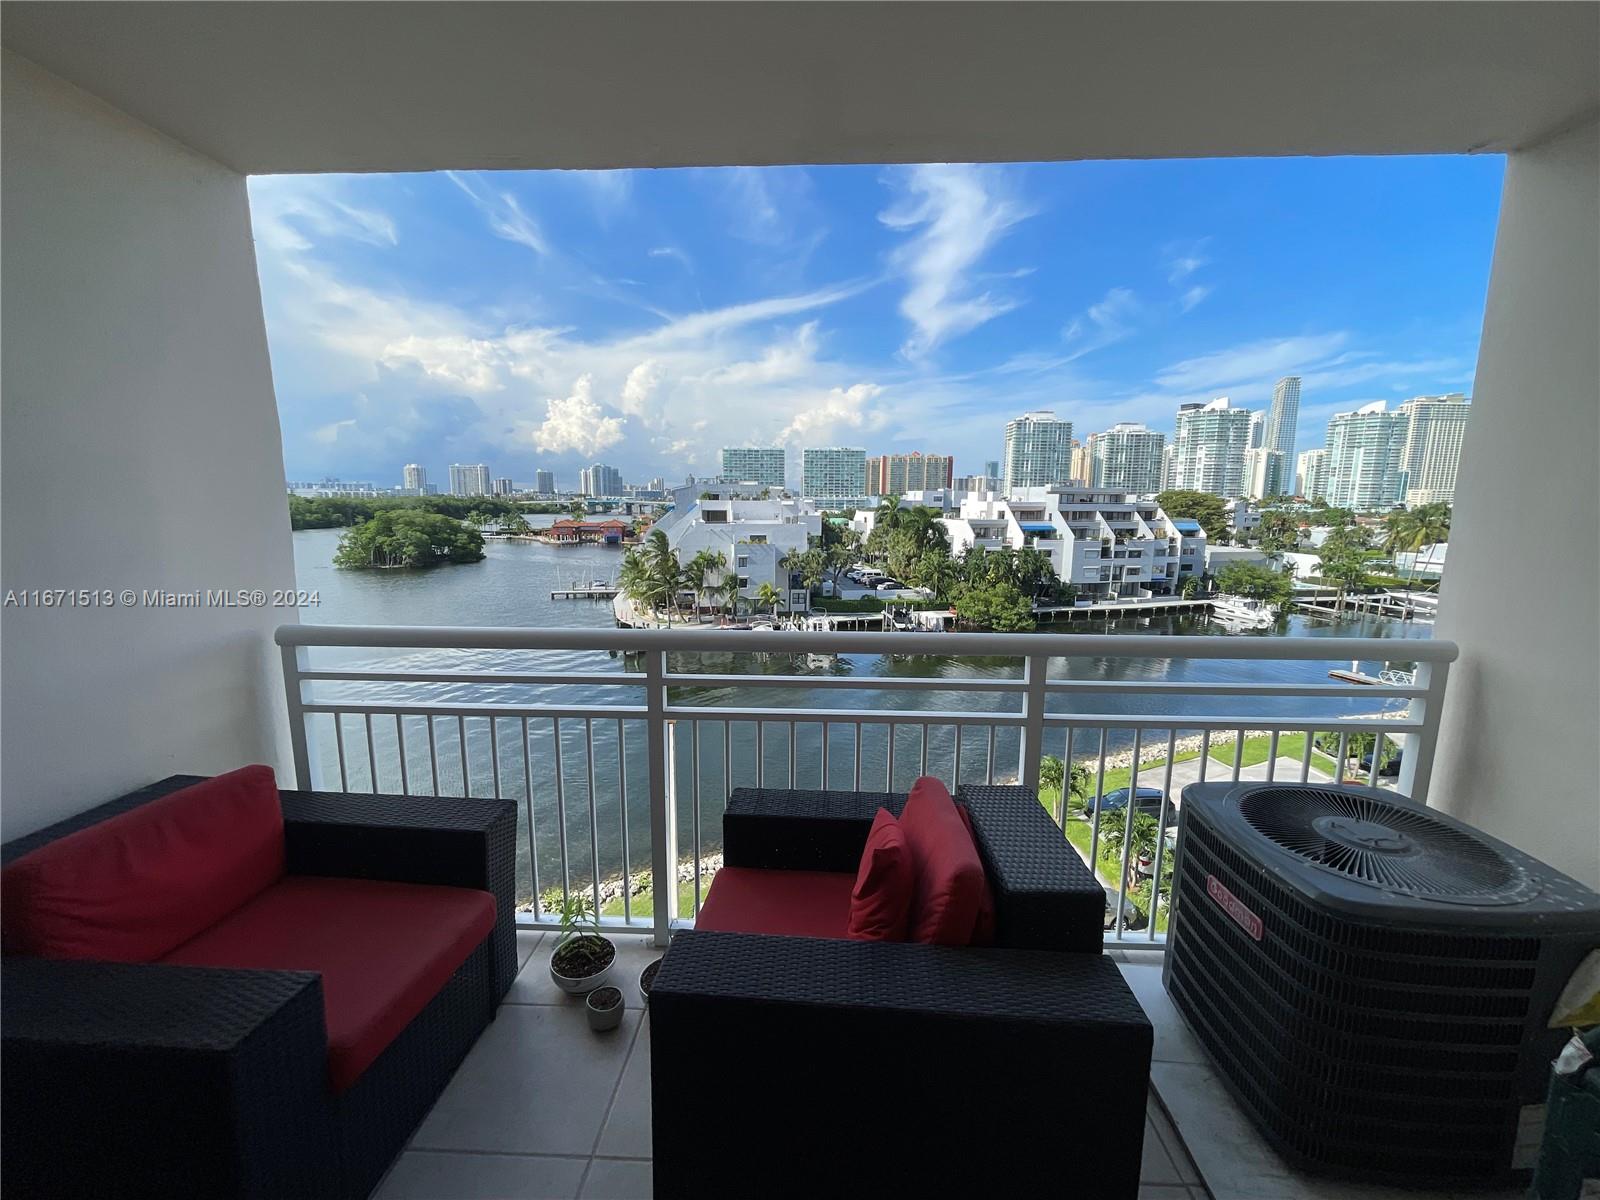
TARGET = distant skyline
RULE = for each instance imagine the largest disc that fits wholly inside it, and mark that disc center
(645, 319)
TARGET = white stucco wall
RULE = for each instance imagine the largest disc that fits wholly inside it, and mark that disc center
(140, 450)
(1520, 751)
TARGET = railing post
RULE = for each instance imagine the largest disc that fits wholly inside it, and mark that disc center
(1416, 761)
(297, 715)
(1035, 670)
(663, 799)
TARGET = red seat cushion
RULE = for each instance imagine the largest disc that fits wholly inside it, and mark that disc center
(950, 878)
(134, 886)
(880, 902)
(983, 929)
(797, 903)
(383, 949)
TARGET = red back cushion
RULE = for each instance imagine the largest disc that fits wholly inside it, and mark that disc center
(880, 904)
(137, 885)
(983, 928)
(949, 889)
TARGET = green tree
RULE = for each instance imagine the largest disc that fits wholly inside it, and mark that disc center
(1190, 587)
(1344, 560)
(1113, 828)
(998, 606)
(1255, 582)
(408, 538)
(767, 597)
(1209, 510)
(577, 510)
(704, 573)
(1279, 532)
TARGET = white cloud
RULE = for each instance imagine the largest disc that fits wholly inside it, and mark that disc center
(1193, 296)
(674, 253)
(286, 209)
(1251, 361)
(636, 391)
(506, 217)
(576, 424)
(329, 434)
(1184, 258)
(955, 214)
(827, 416)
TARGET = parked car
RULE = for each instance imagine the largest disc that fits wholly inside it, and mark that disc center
(1386, 770)
(1133, 917)
(890, 585)
(1149, 801)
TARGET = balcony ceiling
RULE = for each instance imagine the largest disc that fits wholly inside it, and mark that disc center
(337, 86)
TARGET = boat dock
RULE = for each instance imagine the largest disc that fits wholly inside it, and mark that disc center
(592, 591)
(1131, 607)
(1389, 604)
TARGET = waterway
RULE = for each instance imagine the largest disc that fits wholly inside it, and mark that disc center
(511, 588)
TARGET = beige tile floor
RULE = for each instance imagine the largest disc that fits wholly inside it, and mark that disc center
(543, 1109)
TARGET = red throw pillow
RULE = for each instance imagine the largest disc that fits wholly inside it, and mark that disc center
(880, 905)
(982, 929)
(950, 878)
(137, 885)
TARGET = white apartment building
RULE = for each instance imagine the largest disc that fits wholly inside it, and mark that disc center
(544, 482)
(1283, 417)
(1366, 450)
(751, 535)
(600, 480)
(1436, 427)
(333, 487)
(1128, 457)
(1038, 451)
(1209, 448)
(834, 473)
(754, 464)
(1105, 543)
(469, 479)
(1263, 473)
(504, 487)
(414, 479)
(1311, 474)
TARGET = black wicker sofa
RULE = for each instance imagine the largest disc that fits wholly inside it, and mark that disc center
(822, 1066)
(143, 1078)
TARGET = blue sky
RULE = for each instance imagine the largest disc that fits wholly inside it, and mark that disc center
(647, 318)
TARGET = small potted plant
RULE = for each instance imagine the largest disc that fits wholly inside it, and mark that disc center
(647, 978)
(604, 1007)
(582, 959)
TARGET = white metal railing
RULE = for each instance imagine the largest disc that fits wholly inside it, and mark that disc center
(624, 749)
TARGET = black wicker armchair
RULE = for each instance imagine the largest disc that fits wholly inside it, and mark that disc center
(151, 1079)
(791, 1066)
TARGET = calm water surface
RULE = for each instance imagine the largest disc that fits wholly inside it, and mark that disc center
(511, 588)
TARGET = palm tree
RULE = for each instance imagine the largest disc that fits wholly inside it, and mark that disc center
(1190, 587)
(705, 565)
(665, 575)
(1143, 844)
(767, 597)
(577, 510)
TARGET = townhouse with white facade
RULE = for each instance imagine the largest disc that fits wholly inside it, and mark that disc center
(1106, 544)
(751, 535)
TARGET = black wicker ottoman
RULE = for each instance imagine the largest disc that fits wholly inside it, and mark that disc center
(810, 1067)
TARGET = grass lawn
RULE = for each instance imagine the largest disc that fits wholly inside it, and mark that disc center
(643, 905)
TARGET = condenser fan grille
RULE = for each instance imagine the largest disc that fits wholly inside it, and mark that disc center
(1383, 844)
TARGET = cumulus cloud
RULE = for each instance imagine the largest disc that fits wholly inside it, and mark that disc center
(576, 424)
(954, 214)
(636, 391)
(839, 410)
